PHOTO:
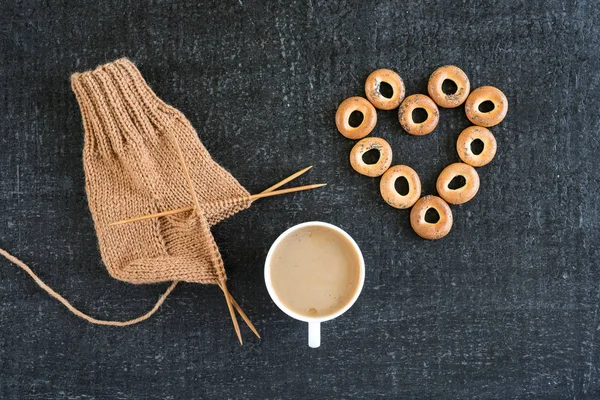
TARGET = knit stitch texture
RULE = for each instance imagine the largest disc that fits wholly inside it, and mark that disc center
(132, 168)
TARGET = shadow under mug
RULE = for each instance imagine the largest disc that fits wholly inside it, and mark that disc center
(314, 323)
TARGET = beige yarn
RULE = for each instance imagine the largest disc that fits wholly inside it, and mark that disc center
(142, 156)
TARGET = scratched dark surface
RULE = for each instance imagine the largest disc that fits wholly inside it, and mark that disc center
(506, 306)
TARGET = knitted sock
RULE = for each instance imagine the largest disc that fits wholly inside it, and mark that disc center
(132, 168)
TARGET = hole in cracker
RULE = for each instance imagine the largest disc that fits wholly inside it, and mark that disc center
(477, 147)
(486, 106)
(449, 86)
(419, 115)
(386, 90)
(432, 216)
(356, 118)
(401, 186)
(371, 157)
(457, 182)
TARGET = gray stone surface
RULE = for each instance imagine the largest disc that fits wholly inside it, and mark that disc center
(504, 307)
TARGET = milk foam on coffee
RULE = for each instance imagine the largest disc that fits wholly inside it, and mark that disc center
(315, 271)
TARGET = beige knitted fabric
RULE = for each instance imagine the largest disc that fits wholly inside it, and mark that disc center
(132, 168)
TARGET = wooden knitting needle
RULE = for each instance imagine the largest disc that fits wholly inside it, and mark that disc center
(244, 316)
(222, 284)
(284, 191)
(286, 180)
(228, 299)
(190, 208)
(185, 209)
(150, 216)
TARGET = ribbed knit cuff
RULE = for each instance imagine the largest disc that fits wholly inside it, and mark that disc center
(120, 79)
(117, 105)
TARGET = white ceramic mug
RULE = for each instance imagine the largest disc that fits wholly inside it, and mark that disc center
(314, 323)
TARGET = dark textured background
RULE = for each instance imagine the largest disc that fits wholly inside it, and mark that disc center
(506, 306)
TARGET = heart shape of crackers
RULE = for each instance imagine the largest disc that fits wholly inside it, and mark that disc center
(485, 107)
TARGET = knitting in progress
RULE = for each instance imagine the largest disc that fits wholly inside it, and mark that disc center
(143, 157)
(132, 168)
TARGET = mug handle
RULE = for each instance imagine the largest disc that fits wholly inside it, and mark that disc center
(314, 334)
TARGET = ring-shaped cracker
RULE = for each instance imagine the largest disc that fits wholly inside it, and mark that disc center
(372, 170)
(428, 230)
(463, 193)
(406, 109)
(491, 118)
(468, 136)
(347, 107)
(387, 186)
(454, 74)
(373, 89)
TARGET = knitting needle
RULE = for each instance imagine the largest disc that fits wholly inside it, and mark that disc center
(149, 216)
(244, 316)
(286, 180)
(284, 191)
(185, 209)
(228, 299)
(190, 208)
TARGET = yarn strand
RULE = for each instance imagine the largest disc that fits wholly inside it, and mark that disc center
(75, 311)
